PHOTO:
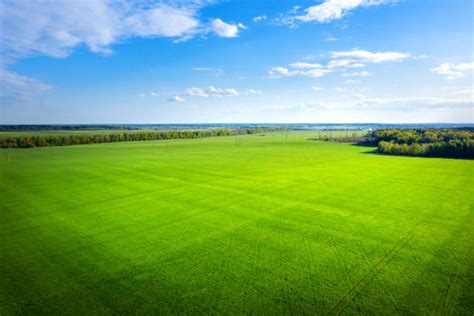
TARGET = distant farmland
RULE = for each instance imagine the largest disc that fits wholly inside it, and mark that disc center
(273, 224)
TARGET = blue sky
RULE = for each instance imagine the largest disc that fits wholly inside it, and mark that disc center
(192, 61)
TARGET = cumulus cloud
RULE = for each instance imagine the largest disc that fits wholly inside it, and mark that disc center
(453, 71)
(345, 63)
(196, 92)
(304, 65)
(345, 59)
(369, 57)
(177, 98)
(215, 92)
(278, 72)
(222, 92)
(259, 18)
(224, 29)
(357, 74)
(56, 27)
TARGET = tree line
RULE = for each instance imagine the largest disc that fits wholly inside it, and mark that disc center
(66, 140)
(452, 142)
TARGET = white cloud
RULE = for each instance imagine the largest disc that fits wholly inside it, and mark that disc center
(224, 29)
(352, 81)
(347, 59)
(305, 65)
(196, 92)
(278, 72)
(212, 71)
(242, 26)
(56, 27)
(357, 74)
(416, 102)
(259, 18)
(346, 63)
(253, 92)
(369, 57)
(214, 92)
(18, 88)
(177, 98)
(160, 21)
(315, 73)
(222, 92)
(334, 9)
(331, 38)
(316, 88)
(452, 71)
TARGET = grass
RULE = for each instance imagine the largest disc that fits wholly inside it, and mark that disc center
(230, 225)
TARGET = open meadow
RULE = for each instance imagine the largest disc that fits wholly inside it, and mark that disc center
(255, 224)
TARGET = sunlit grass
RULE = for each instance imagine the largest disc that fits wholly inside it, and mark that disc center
(248, 224)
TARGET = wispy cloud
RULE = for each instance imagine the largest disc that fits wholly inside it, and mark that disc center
(211, 92)
(57, 27)
(253, 92)
(177, 98)
(342, 60)
(222, 92)
(415, 102)
(369, 57)
(453, 71)
(352, 81)
(278, 72)
(214, 71)
(16, 88)
(196, 92)
(325, 12)
(303, 65)
(259, 18)
(331, 10)
(357, 74)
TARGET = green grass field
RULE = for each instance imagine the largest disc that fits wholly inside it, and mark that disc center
(273, 224)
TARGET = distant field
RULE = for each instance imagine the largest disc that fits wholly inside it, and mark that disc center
(115, 131)
(74, 132)
(274, 224)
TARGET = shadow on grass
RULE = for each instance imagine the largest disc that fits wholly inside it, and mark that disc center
(374, 152)
(365, 144)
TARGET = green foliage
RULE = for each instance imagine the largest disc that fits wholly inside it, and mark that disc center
(243, 225)
(454, 143)
(30, 141)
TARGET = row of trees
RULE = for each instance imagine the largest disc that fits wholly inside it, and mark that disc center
(422, 135)
(65, 140)
(454, 143)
